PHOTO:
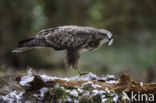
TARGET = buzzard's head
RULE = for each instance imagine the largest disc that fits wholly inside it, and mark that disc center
(107, 35)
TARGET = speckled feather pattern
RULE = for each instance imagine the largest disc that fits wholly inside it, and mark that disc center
(73, 39)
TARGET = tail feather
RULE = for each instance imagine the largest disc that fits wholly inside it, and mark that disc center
(29, 44)
(26, 42)
(18, 50)
(35, 42)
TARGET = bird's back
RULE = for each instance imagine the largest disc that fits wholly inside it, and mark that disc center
(70, 37)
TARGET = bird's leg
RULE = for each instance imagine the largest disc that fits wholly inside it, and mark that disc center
(80, 74)
(72, 60)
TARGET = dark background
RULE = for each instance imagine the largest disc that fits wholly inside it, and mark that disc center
(132, 23)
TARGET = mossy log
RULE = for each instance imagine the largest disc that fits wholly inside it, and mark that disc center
(125, 84)
(78, 89)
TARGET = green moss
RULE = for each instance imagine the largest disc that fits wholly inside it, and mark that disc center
(90, 99)
(87, 87)
(96, 99)
(84, 100)
(109, 100)
(57, 94)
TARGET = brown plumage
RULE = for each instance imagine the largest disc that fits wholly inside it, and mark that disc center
(73, 39)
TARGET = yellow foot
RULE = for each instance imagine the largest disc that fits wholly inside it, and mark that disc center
(80, 74)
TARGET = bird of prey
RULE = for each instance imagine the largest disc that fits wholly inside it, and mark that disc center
(73, 39)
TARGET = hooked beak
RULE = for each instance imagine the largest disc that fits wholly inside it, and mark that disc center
(110, 41)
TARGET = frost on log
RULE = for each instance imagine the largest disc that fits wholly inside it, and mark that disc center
(79, 89)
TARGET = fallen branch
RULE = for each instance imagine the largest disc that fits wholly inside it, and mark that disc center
(124, 84)
(79, 89)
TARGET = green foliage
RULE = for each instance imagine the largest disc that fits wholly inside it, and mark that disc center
(90, 99)
(110, 100)
(87, 87)
(57, 94)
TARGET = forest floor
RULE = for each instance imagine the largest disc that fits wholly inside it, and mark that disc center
(89, 88)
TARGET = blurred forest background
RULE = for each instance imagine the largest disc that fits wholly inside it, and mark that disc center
(132, 23)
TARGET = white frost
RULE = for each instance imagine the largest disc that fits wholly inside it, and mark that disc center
(104, 100)
(86, 94)
(112, 81)
(42, 92)
(47, 78)
(95, 92)
(13, 97)
(68, 91)
(87, 83)
(29, 72)
(141, 84)
(101, 93)
(91, 84)
(73, 92)
(96, 86)
(62, 88)
(115, 98)
(76, 101)
(41, 95)
(89, 76)
(60, 101)
(25, 80)
(109, 79)
(68, 99)
(80, 90)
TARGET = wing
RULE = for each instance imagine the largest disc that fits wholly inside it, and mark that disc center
(73, 37)
(43, 33)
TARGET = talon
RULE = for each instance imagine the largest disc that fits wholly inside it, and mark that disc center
(80, 74)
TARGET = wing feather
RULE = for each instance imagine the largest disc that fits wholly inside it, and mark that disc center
(45, 32)
(72, 37)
